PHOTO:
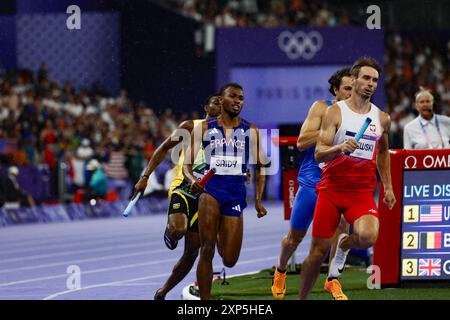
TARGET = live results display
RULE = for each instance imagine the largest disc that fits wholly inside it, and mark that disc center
(425, 247)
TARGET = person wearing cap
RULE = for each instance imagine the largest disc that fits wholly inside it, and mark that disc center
(428, 130)
(97, 186)
(85, 151)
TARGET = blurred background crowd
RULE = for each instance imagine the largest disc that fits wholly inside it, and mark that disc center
(43, 122)
(262, 13)
(46, 123)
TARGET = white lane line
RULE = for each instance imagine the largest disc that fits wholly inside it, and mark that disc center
(97, 249)
(249, 249)
(24, 288)
(67, 246)
(127, 266)
(20, 296)
(112, 257)
(79, 238)
(43, 237)
(103, 258)
(115, 268)
(235, 275)
(113, 240)
(114, 283)
(83, 236)
(59, 254)
(143, 284)
(72, 229)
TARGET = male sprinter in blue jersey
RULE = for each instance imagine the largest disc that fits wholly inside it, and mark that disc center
(308, 177)
(229, 143)
(182, 218)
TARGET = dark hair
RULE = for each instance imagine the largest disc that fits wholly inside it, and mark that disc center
(208, 100)
(228, 85)
(336, 78)
(365, 62)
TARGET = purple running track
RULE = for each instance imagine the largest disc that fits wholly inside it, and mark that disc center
(119, 258)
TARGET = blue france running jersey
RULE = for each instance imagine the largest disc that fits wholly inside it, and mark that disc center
(229, 156)
(309, 174)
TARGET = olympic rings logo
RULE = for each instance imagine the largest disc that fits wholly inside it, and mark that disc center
(300, 44)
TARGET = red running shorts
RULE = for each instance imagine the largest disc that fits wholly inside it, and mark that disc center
(330, 205)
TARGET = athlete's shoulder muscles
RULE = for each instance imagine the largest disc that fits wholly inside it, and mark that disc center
(204, 124)
(314, 117)
(330, 124)
(195, 143)
(198, 130)
(187, 125)
(181, 133)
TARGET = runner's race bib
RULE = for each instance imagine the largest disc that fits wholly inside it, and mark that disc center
(366, 146)
(226, 165)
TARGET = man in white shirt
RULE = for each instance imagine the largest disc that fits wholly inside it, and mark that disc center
(428, 130)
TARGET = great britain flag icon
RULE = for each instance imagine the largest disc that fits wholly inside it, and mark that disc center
(429, 267)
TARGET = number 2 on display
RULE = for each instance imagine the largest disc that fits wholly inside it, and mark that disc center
(410, 240)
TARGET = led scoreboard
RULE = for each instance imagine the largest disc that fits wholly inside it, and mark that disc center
(425, 234)
(413, 245)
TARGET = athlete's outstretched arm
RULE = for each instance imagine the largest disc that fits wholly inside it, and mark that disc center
(261, 159)
(311, 126)
(384, 161)
(158, 156)
(191, 153)
(325, 151)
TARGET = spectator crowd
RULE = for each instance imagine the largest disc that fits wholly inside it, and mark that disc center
(49, 123)
(262, 13)
(45, 123)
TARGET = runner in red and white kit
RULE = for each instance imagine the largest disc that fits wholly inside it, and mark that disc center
(349, 178)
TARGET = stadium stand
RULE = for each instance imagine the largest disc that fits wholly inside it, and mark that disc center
(44, 123)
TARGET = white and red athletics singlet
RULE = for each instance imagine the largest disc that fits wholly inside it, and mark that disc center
(357, 171)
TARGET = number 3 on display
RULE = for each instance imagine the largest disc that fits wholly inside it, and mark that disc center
(410, 214)
(410, 240)
(409, 268)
